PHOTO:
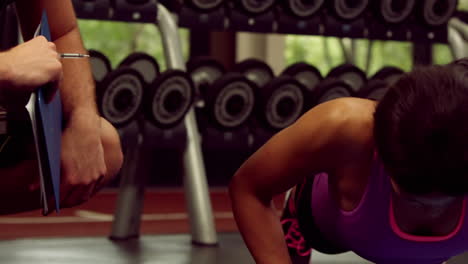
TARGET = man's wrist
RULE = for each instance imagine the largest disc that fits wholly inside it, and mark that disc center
(86, 116)
(86, 107)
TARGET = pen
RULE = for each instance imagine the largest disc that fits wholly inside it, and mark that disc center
(73, 55)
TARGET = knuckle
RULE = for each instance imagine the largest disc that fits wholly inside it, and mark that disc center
(52, 45)
(84, 182)
(75, 181)
(56, 68)
(52, 54)
(41, 38)
(104, 172)
(72, 181)
(88, 181)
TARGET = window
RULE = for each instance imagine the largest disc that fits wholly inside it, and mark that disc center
(326, 53)
(117, 40)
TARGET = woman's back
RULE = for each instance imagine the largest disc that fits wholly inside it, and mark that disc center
(371, 227)
(356, 203)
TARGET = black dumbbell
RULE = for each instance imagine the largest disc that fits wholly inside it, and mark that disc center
(374, 90)
(280, 102)
(92, 9)
(230, 101)
(120, 96)
(437, 12)
(389, 74)
(394, 11)
(255, 7)
(332, 88)
(204, 71)
(205, 5)
(303, 8)
(350, 74)
(134, 10)
(172, 5)
(307, 75)
(199, 5)
(169, 98)
(100, 65)
(144, 63)
(255, 70)
(348, 9)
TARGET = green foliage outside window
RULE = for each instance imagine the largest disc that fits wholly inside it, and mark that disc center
(326, 52)
(117, 39)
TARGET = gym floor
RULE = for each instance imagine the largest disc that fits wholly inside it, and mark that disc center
(80, 235)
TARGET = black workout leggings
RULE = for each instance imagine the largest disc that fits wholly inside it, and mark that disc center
(307, 227)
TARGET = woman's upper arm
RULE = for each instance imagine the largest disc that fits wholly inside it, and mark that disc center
(312, 145)
(61, 16)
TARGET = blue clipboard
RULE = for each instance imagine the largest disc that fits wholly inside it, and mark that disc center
(46, 118)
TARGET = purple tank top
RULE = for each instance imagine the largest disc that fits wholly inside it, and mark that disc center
(370, 229)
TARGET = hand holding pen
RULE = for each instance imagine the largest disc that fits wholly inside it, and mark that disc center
(73, 55)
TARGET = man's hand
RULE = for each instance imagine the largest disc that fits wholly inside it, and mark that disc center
(91, 151)
(27, 67)
(84, 169)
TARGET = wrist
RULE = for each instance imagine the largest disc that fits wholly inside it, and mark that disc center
(87, 118)
(73, 106)
(81, 112)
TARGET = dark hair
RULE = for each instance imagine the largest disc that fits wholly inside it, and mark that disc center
(421, 130)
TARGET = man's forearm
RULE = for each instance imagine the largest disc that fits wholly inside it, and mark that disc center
(77, 87)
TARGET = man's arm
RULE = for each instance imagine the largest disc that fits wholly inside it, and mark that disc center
(20, 181)
(85, 166)
(78, 86)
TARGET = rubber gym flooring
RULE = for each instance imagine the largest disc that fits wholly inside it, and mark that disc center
(79, 235)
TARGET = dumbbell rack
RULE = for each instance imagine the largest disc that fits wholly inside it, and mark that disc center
(368, 26)
(128, 212)
(458, 33)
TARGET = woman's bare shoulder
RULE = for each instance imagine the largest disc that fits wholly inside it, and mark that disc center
(349, 121)
(327, 137)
